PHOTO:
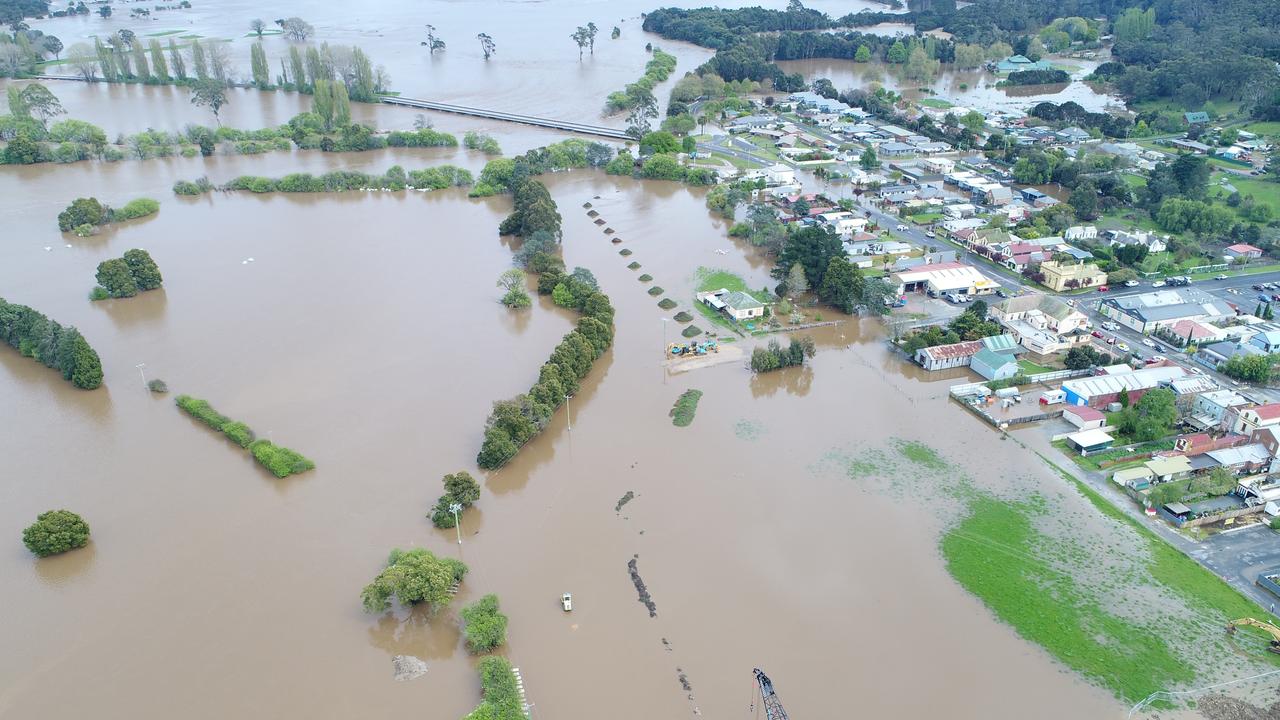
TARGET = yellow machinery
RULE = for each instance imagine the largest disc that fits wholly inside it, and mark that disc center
(1266, 627)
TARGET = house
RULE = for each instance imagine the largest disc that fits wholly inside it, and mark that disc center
(998, 195)
(1135, 478)
(1059, 276)
(1073, 135)
(1246, 421)
(1101, 390)
(1152, 242)
(1268, 341)
(1209, 409)
(942, 357)
(1042, 324)
(1016, 63)
(1196, 118)
(1186, 389)
(895, 132)
(1197, 332)
(994, 365)
(940, 278)
(1172, 467)
(738, 305)
(1167, 306)
(1075, 252)
(1090, 441)
(989, 237)
(1080, 232)
(1249, 458)
(1241, 250)
(843, 222)
(1084, 417)
(940, 166)
(895, 149)
(899, 193)
(779, 174)
(742, 124)
(963, 229)
(959, 210)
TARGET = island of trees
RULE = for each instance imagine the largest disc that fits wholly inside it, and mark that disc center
(58, 347)
(127, 276)
(56, 531)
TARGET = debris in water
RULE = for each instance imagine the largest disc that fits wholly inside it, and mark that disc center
(645, 598)
(408, 667)
(666, 644)
(684, 680)
(625, 499)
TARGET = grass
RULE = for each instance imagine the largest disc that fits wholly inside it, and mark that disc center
(921, 454)
(250, 34)
(162, 33)
(624, 252)
(1134, 181)
(1265, 129)
(987, 553)
(682, 316)
(713, 279)
(926, 218)
(714, 317)
(666, 303)
(936, 103)
(1026, 367)
(685, 408)
(735, 161)
(633, 266)
(1251, 270)
(1094, 461)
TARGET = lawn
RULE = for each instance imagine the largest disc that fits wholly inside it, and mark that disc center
(1266, 129)
(1094, 461)
(1134, 181)
(938, 103)
(926, 218)
(1026, 367)
(162, 33)
(735, 161)
(714, 279)
(1264, 191)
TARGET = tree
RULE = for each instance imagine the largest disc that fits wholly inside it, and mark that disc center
(863, 54)
(82, 211)
(115, 278)
(920, 66)
(82, 57)
(256, 26)
(841, 285)
(78, 361)
(22, 150)
(413, 576)
(592, 30)
(176, 63)
(144, 270)
(105, 11)
(797, 283)
(486, 627)
(1250, 368)
(644, 110)
(297, 70)
(659, 142)
(432, 42)
(295, 28)
(461, 488)
(341, 105)
(141, 70)
(1084, 200)
(258, 65)
(513, 281)
(617, 32)
(1151, 418)
(582, 38)
(53, 46)
(487, 46)
(39, 103)
(56, 531)
(869, 161)
(198, 61)
(897, 53)
(159, 67)
(219, 62)
(209, 93)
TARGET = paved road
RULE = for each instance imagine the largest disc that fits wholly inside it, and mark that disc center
(1238, 557)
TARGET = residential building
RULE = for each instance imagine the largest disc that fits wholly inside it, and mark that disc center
(1042, 324)
(895, 149)
(1242, 250)
(1098, 391)
(1084, 417)
(1196, 118)
(959, 210)
(1246, 421)
(737, 305)
(1016, 63)
(895, 132)
(1073, 135)
(940, 166)
(1167, 468)
(1243, 459)
(1060, 276)
(843, 222)
(1163, 307)
(1152, 242)
(1209, 410)
(1080, 232)
(1191, 146)
(941, 278)
(747, 122)
(899, 193)
(1197, 332)
(943, 357)
(780, 174)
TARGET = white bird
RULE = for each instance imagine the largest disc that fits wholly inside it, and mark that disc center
(47, 248)
(68, 244)
(250, 259)
(244, 262)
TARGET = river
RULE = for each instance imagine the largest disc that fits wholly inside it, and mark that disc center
(367, 335)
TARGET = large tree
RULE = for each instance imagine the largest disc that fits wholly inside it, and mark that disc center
(56, 531)
(413, 576)
(210, 93)
(812, 247)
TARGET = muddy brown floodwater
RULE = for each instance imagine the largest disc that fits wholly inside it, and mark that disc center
(367, 335)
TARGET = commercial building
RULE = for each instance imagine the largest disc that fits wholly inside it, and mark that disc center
(1060, 276)
(1098, 391)
(939, 278)
(1042, 324)
(1148, 311)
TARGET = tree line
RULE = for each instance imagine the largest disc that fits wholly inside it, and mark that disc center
(775, 357)
(278, 460)
(502, 175)
(637, 99)
(60, 348)
(395, 178)
(514, 422)
(84, 215)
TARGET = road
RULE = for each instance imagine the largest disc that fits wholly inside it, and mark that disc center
(1238, 557)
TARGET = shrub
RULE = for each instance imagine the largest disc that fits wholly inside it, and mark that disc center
(486, 627)
(140, 207)
(691, 331)
(686, 406)
(239, 433)
(645, 277)
(666, 303)
(202, 411)
(144, 270)
(56, 531)
(773, 357)
(683, 316)
(479, 141)
(411, 577)
(83, 211)
(112, 154)
(278, 460)
(158, 386)
(192, 187)
(114, 276)
(99, 293)
(459, 488)
(426, 137)
(624, 252)
(633, 265)
(501, 692)
(655, 291)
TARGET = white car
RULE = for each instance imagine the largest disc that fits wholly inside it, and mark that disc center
(1131, 283)
(902, 228)
(930, 234)
(1219, 277)
(1158, 283)
(1149, 342)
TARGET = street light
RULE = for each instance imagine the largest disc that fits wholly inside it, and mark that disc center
(456, 508)
(568, 411)
(143, 373)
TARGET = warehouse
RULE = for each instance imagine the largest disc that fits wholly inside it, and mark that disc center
(1148, 311)
(1099, 391)
(945, 277)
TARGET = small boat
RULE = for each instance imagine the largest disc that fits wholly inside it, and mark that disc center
(567, 601)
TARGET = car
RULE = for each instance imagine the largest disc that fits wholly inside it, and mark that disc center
(1103, 288)
(902, 228)
(1258, 287)
(1149, 342)
(1268, 286)
(1110, 326)
(1219, 277)
(1159, 358)
(1097, 334)
(1275, 296)
(930, 234)
(1196, 371)
(1263, 297)
(1157, 284)
(1131, 283)
(1122, 347)
(1111, 341)
(1002, 293)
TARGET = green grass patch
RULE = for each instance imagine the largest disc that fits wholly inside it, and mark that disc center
(989, 554)
(162, 33)
(683, 317)
(1095, 460)
(921, 454)
(656, 291)
(645, 277)
(1134, 181)
(691, 331)
(666, 303)
(624, 252)
(713, 279)
(248, 34)
(1265, 129)
(714, 317)
(633, 265)
(736, 161)
(1251, 270)
(1026, 367)
(926, 218)
(938, 103)
(685, 408)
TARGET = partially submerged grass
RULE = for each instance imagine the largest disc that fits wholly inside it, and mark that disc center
(685, 408)
(667, 304)
(748, 430)
(633, 265)
(624, 252)
(713, 279)
(683, 316)
(691, 331)
(921, 454)
(656, 291)
(645, 278)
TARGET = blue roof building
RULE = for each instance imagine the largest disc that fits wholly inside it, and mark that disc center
(1019, 62)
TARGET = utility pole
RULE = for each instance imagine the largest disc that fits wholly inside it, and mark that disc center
(143, 373)
(568, 412)
(455, 508)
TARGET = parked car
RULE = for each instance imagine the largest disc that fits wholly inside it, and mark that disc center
(1097, 334)
(1258, 287)
(1103, 288)
(1263, 297)
(1149, 342)
(1002, 293)
(930, 234)
(902, 228)
(1157, 284)
(1122, 347)
(953, 298)
(1110, 326)
(1131, 283)
(1111, 341)
(1219, 277)
(1275, 296)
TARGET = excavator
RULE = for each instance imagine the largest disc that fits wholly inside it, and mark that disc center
(1266, 627)
(772, 705)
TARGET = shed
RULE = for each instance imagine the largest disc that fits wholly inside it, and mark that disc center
(993, 365)
(1088, 441)
(1138, 478)
(1084, 417)
(1169, 467)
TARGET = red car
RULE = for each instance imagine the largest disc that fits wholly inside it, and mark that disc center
(1097, 334)
(1103, 288)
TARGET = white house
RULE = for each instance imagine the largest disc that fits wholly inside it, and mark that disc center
(780, 174)
(844, 223)
(738, 305)
(1080, 232)
(1152, 242)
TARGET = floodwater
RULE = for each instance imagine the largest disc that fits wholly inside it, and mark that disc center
(367, 335)
(979, 89)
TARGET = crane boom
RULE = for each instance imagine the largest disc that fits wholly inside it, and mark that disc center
(773, 709)
(1266, 627)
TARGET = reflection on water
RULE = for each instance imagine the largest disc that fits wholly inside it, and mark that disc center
(144, 308)
(418, 632)
(794, 380)
(67, 568)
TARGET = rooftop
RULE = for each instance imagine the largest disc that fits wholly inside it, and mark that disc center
(1084, 412)
(1097, 385)
(1170, 465)
(1243, 248)
(742, 301)
(1090, 438)
(955, 350)
(1171, 304)
(1270, 411)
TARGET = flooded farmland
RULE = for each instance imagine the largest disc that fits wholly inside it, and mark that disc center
(367, 334)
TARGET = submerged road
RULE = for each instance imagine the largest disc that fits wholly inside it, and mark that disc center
(581, 128)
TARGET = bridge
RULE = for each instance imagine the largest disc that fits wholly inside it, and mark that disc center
(581, 128)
